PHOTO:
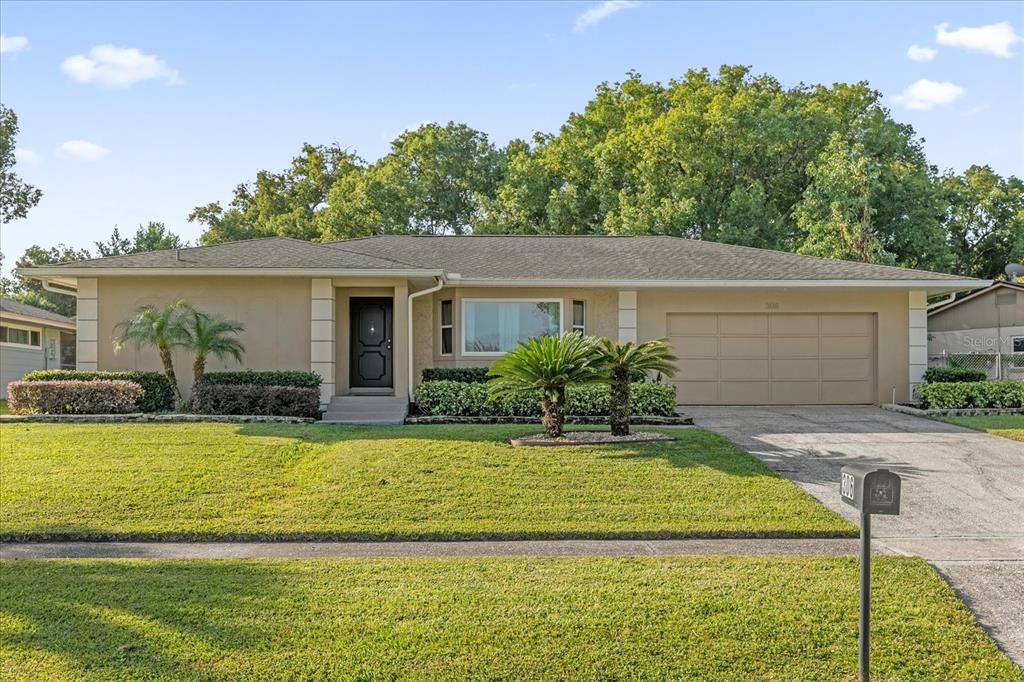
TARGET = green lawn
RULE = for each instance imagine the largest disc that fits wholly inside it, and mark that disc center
(1007, 426)
(3, 407)
(652, 618)
(206, 481)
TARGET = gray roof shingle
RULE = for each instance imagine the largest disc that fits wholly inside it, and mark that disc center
(619, 258)
(271, 252)
(8, 305)
(587, 258)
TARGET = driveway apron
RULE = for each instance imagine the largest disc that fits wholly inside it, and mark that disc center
(963, 491)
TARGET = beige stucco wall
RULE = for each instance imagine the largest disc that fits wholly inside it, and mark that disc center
(275, 311)
(891, 308)
(601, 319)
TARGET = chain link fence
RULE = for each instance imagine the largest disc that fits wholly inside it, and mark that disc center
(995, 365)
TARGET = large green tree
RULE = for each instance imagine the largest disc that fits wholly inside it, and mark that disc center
(282, 203)
(152, 236)
(16, 195)
(431, 182)
(984, 220)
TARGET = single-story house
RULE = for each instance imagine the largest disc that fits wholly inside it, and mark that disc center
(750, 326)
(32, 338)
(987, 324)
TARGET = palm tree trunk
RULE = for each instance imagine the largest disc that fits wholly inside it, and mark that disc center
(165, 358)
(553, 413)
(198, 368)
(619, 408)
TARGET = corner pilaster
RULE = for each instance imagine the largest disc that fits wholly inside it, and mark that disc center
(322, 336)
(627, 316)
(918, 351)
(87, 325)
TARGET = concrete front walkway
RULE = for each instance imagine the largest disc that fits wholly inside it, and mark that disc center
(483, 548)
(963, 491)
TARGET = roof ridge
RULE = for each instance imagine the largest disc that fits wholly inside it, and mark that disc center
(331, 245)
(178, 248)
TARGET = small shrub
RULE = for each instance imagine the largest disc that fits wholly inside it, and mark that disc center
(455, 398)
(157, 394)
(464, 375)
(252, 399)
(953, 375)
(978, 394)
(97, 396)
(295, 378)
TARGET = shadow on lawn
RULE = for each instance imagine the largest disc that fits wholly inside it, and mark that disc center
(689, 447)
(146, 619)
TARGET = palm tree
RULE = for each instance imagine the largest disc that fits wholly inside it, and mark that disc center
(622, 361)
(160, 326)
(548, 363)
(211, 335)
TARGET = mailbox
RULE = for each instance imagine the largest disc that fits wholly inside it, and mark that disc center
(872, 491)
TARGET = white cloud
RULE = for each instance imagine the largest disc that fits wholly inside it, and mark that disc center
(117, 67)
(921, 54)
(599, 13)
(994, 39)
(25, 156)
(925, 94)
(82, 150)
(12, 43)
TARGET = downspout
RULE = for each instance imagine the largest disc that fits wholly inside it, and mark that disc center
(409, 342)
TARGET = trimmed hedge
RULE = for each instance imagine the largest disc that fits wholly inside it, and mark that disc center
(252, 399)
(157, 395)
(454, 398)
(463, 375)
(293, 378)
(979, 394)
(953, 375)
(96, 396)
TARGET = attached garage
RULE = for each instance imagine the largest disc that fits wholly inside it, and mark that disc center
(774, 358)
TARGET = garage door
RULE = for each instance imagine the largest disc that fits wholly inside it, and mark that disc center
(781, 359)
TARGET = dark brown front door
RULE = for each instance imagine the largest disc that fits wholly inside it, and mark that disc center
(370, 322)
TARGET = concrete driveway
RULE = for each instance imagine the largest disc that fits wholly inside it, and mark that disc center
(963, 491)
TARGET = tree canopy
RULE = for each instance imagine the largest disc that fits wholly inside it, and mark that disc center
(733, 157)
(16, 195)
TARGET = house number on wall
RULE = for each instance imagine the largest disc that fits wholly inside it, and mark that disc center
(771, 305)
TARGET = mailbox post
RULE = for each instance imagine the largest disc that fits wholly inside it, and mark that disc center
(872, 491)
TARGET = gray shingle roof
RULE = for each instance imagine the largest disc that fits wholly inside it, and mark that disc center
(272, 252)
(619, 258)
(590, 258)
(8, 305)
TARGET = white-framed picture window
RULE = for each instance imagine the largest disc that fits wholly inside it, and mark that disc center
(24, 337)
(493, 326)
(1018, 344)
(447, 328)
(579, 317)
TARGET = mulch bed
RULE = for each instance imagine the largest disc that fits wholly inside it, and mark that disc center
(587, 438)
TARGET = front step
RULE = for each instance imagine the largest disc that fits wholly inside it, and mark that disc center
(366, 409)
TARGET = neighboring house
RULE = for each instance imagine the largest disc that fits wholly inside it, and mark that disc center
(986, 323)
(32, 338)
(749, 325)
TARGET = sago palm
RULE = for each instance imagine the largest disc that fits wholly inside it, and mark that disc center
(211, 335)
(623, 360)
(160, 326)
(548, 363)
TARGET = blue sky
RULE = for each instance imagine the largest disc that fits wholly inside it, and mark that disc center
(216, 91)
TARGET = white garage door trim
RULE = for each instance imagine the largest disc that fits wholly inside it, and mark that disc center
(774, 358)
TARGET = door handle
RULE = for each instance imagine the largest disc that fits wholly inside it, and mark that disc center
(389, 344)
